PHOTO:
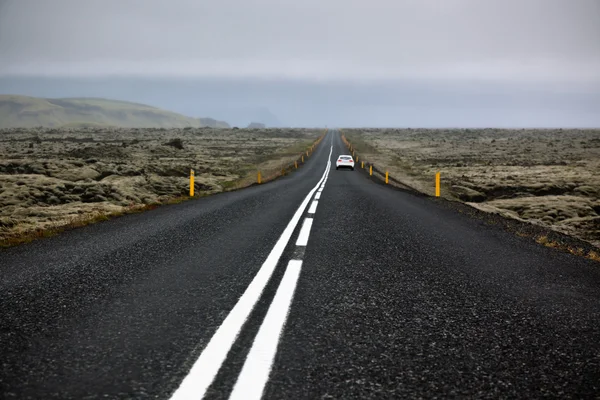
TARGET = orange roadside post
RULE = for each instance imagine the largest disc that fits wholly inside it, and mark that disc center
(191, 183)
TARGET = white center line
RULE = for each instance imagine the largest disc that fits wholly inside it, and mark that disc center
(206, 367)
(318, 195)
(304, 232)
(255, 372)
(313, 207)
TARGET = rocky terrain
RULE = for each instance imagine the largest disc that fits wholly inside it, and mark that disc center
(546, 177)
(50, 177)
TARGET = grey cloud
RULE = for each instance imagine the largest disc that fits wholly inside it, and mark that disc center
(547, 40)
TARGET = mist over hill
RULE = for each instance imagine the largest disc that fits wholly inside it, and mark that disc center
(27, 112)
(296, 103)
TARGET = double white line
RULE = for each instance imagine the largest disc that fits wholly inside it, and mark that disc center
(256, 369)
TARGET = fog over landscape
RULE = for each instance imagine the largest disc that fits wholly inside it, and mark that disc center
(376, 63)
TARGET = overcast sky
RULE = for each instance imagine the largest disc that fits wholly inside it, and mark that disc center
(552, 44)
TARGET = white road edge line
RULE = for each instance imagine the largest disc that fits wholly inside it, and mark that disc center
(257, 367)
(206, 367)
(313, 207)
(304, 232)
(318, 195)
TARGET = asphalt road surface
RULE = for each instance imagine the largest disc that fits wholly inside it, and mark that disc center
(322, 284)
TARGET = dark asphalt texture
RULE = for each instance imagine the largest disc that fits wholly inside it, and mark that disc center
(397, 298)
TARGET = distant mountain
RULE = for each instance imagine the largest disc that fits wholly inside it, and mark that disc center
(265, 116)
(242, 116)
(28, 112)
(256, 125)
(213, 123)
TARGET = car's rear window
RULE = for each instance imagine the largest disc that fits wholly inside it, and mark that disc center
(345, 157)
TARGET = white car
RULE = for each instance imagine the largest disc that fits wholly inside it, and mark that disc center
(344, 161)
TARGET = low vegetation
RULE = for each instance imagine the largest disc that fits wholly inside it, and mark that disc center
(56, 179)
(545, 177)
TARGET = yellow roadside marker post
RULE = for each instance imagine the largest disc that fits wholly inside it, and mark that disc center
(371, 170)
(191, 183)
(306, 153)
(302, 158)
(437, 185)
(362, 164)
(258, 178)
(296, 164)
(386, 177)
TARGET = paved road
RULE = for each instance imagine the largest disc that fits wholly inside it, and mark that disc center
(384, 295)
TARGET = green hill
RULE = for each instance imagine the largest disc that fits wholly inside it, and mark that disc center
(29, 112)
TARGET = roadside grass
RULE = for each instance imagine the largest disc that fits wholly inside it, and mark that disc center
(364, 148)
(401, 171)
(359, 143)
(250, 178)
(297, 148)
(83, 220)
(553, 244)
(578, 251)
(250, 173)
